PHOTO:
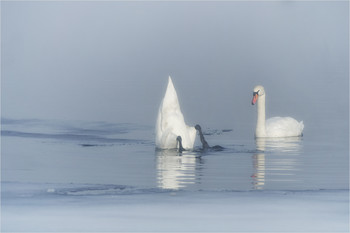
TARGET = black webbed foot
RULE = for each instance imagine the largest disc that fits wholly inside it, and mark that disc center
(205, 144)
(179, 140)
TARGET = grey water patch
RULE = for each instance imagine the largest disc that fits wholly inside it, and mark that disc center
(228, 150)
(19, 190)
(69, 137)
(103, 128)
(9, 121)
(89, 190)
(210, 132)
(105, 190)
(93, 145)
(89, 134)
(71, 127)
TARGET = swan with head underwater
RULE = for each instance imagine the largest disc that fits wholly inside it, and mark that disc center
(171, 129)
(275, 126)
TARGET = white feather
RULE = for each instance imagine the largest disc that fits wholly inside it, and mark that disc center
(283, 127)
(171, 124)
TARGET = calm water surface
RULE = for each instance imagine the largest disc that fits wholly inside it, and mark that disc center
(101, 155)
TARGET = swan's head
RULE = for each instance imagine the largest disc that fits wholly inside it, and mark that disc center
(258, 91)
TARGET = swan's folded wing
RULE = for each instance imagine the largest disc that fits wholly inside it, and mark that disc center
(283, 127)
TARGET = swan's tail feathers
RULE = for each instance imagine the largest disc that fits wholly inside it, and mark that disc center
(170, 101)
(170, 83)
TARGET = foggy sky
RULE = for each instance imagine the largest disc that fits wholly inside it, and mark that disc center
(110, 61)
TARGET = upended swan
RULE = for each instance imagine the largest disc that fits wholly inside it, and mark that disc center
(275, 126)
(171, 129)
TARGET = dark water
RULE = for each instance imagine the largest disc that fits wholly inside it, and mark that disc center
(100, 157)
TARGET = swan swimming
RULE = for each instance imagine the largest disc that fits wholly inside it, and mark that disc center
(171, 129)
(275, 126)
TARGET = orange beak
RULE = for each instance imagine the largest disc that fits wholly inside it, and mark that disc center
(255, 98)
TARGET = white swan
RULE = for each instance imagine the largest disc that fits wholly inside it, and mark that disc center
(275, 126)
(171, 124)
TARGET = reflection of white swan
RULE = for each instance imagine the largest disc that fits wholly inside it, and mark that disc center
(174, 171)
(276, 126)
(287, 144)
(260, 169)
(171, 124)
(276, 161)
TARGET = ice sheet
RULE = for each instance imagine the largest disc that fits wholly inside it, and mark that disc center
(83, 208)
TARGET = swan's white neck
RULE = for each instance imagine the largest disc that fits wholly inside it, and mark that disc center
(260, 130)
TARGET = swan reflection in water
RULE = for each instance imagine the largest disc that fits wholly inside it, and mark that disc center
(176, 170)
(277, 159)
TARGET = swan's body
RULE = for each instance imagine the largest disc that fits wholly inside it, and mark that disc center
(171, 124)
(275, 126)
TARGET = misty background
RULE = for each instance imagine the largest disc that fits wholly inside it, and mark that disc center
(110, 61)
